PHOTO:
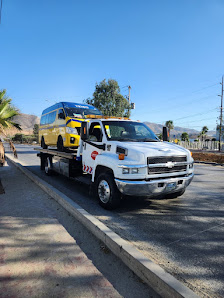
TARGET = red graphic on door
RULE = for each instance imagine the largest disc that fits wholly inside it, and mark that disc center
(94, 155)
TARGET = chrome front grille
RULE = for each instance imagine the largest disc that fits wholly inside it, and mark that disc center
(167, 164)
(165, 159)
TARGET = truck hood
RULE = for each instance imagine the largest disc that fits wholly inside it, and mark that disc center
(154, 148)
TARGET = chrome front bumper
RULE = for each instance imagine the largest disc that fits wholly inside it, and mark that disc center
(154, 187)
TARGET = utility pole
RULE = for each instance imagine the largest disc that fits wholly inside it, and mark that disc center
(220, 125)
(129, 94)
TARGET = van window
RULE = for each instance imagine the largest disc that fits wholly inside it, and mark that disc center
(61, 114)
(81, 112)
(47, 119)
(42, 120)
(51, 117)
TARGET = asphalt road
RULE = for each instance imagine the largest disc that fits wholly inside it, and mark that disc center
(185, 236)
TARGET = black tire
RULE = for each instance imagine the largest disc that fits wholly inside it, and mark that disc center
(60, 144)
(48, 166)
(175, 194)
(107, 193)
(43, 145)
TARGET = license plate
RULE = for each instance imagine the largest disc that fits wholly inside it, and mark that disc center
(171, 186)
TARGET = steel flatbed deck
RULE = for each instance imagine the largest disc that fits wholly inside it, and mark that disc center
(68, 155)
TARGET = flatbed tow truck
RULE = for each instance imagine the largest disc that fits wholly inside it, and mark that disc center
(122, 157)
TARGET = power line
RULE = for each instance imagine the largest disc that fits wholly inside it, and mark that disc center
(178, 106)
(198, 120)
(169, 99)
(189, 116)
(182, 96)
(205, 88)
(195, 115)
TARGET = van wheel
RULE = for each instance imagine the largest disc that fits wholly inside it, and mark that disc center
(43, 145)
(108, 195)
(60, 145)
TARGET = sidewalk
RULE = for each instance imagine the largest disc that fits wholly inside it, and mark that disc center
(38, 258)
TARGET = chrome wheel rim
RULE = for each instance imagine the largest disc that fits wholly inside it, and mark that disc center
(104, 191)
(47, 165)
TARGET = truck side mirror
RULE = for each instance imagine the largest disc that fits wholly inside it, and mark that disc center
(84, 131)
(165, 134)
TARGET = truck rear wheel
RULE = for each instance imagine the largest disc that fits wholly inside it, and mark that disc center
(108, 195)
(48, 166)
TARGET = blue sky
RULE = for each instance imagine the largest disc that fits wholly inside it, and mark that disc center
(169, 52)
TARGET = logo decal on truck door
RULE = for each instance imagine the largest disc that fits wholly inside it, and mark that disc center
(94, 155)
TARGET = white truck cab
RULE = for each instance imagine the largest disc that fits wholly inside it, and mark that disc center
(124, 157)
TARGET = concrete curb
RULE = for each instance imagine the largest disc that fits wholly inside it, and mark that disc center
(162, 282)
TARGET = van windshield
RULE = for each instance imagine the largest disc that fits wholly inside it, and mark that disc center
(81, 112)
(128, 131)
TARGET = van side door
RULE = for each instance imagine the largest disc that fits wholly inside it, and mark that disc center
(60, 125)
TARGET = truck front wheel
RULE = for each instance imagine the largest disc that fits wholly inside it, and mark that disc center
(108, 195)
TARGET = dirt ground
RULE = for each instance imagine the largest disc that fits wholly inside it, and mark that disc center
(208, 156)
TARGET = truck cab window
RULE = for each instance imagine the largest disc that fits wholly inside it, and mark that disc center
(95, 132)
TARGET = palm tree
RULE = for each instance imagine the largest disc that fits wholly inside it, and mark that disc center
(185, 137)
(7, 112)
(169, 125)
(203, 132)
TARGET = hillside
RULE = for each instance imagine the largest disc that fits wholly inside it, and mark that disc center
(26, 122)
(177, 131)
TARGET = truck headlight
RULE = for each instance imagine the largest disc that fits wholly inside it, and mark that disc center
(191, 165)
(71, 130)
(130, 171)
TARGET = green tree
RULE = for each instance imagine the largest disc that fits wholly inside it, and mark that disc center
(169, 125)
(160, 136)
(203, 132)
(7, 112)
(36, 132)
(36, 129)
(108, 100)
(185, 136)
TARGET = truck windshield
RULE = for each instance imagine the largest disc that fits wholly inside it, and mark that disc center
(128, 131)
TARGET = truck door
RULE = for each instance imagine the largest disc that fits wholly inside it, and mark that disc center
(92, 147)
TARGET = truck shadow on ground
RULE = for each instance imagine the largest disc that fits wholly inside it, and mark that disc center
(39, 259)
(186, 231)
